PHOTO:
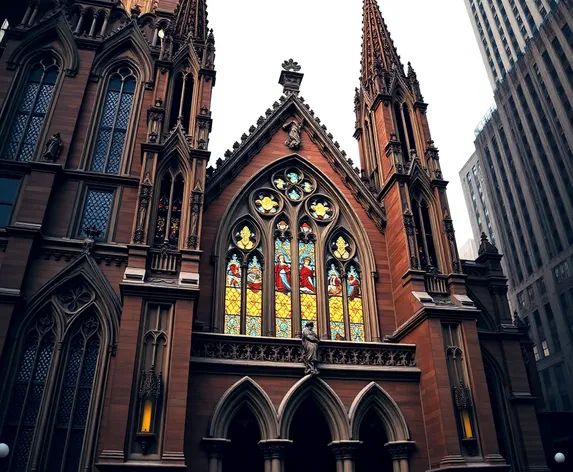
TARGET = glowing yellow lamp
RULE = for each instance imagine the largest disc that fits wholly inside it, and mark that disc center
(146, 417)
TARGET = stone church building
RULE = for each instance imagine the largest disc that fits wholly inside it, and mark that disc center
(151, 305)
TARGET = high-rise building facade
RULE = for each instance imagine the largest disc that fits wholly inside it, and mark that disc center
(525, 151)
(152, 307)
(503, 28)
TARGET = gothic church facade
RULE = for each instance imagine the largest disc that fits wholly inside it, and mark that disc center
(151, 306)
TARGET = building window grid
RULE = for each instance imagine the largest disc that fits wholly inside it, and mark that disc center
(517, 183)
(549, 174)
(531, 174)
(513, 262)
(513, 209)
(557, 154)
(562, 272)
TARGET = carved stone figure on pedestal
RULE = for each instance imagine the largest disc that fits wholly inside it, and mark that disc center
(53, 148)
(293, 141)
(310, 349)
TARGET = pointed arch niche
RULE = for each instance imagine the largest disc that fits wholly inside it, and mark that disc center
(55, 373)
(292, 250)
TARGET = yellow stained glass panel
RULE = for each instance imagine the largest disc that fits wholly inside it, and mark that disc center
(254, 302)
(308, 307)
(355, 311)
(233, 301)
(335, 309)
(282, 305)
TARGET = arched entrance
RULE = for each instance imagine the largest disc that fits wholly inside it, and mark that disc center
(243, 452)
(310, 436)
(372, 455)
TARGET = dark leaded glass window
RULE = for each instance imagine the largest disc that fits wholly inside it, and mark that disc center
(96, 214)
(74, 397)
(28, 391)
(8, 191)
(32, 110)
(169, 210)
(114, 122)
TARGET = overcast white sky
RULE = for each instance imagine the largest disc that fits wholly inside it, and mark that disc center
(254, 37)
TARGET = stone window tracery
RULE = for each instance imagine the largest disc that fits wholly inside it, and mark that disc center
(114, 122)
(169, 209)
(313, 264)
(34, 104)
(51, 400)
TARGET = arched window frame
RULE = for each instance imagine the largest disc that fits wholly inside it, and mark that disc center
(63, 308)
(15, 98)
(90, 148)
(343, 216)
(175, 170)
(182, 99)
(406, 127)
(419, 201)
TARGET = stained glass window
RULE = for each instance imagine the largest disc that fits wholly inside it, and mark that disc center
(233, 296)
(168, 221)
(254, 319)
(75, 396)
(335, 303)
(355, 313)
(28, 392)
(114, 122)
(245, 237)
(97, 209)
(320, 209)
(266, 203)
(283, 283)
(34, 105)
(307, 281)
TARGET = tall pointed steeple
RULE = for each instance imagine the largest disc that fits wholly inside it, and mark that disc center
(379, 55)
(191, 20)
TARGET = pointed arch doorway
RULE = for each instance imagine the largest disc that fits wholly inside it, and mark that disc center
(244, 453)
(310, 436)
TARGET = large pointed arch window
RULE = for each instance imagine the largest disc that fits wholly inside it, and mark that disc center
(314, 271)
(34, 105)
(118, 104)
(51, 398)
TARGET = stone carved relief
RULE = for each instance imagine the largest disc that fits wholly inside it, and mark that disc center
(53, 148)
(293, 140)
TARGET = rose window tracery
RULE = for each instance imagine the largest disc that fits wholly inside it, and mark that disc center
(311, 257)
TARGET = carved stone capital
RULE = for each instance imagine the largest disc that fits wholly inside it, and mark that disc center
(400, 449)
(215, 447)
(275, 448)
(344, 449)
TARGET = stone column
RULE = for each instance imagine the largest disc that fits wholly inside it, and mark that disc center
(215, 448)
(345, 454)
(400, 452)
(274, 453)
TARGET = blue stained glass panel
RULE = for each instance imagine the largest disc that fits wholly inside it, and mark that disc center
(96, 212)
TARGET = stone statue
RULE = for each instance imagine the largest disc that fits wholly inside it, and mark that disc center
(293, 140)
(310, 348)
(53, 148)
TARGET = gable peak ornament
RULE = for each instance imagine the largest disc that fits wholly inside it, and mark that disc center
(291, 77)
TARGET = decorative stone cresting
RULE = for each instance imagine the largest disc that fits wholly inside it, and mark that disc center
(216, 346)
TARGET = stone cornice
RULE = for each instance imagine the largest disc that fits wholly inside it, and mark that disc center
(101, 178)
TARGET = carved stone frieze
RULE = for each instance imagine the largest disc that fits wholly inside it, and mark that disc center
(234, 349)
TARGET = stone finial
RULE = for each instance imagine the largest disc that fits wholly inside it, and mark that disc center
(291, 77)
(486, 247)
(291, 65)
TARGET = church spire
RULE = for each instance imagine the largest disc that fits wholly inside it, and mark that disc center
(379, 55)
(191, 20)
